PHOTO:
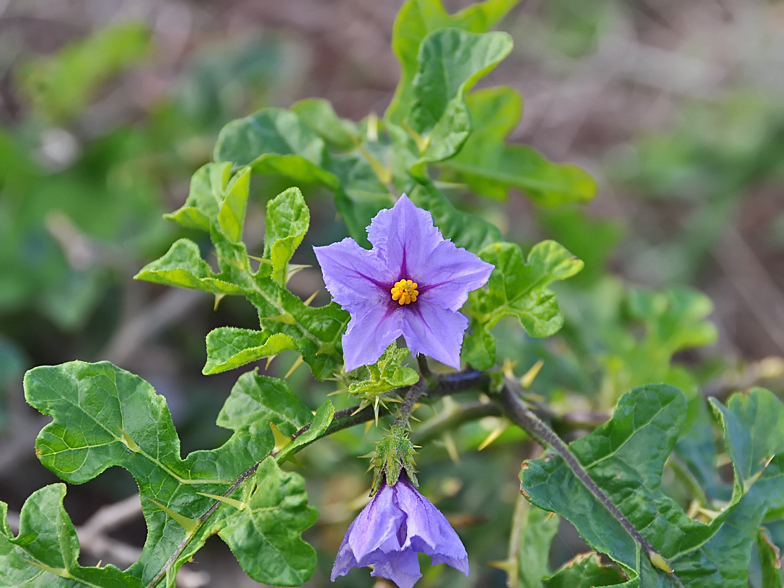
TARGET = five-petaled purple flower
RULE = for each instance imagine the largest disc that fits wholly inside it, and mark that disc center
(397, 524)
(412, 283)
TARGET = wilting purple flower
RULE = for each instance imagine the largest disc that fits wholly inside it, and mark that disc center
(397, 524)
(412, 283)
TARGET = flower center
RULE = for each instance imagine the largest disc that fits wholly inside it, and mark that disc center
(405, 292)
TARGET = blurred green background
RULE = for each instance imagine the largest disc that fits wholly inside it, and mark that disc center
(108, 106)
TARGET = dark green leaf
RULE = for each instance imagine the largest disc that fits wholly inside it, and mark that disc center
(275, 141)
(265, 535)
(105, 417)
(625, 458)
(464, 229)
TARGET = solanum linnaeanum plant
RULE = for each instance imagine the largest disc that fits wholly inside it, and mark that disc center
(447, 282)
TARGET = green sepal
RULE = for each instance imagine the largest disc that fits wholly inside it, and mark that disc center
(393, 454)
(388, 373)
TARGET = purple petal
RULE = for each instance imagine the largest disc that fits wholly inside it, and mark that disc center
(344, 560)
(430, 329)
(404, 236)
(376, 527)
(402, 567)
(428, 531)
(353, 275)
(370, 331)
(451, 274)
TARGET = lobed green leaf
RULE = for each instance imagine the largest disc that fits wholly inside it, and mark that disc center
(519, 289)
(625, 458)
(105, 417)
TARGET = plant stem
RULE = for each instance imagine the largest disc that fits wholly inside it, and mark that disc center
(519, 413)
(348, 417)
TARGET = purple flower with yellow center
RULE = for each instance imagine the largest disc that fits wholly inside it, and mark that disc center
(412, 283)
(397, 524)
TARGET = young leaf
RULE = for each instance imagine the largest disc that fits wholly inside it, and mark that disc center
(314, 332)
(415, 20)
(288, 219)
(46, 550)
(450, 63)
(183, 266)
(265, 536)
(517, 288)
(229, 348)
(491, 167)
(386, 374)
(625, 458)
(105, 416)
(203, 204)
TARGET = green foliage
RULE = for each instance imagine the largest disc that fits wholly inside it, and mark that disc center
(265, 534)
(519, 289)
(450, 62)
(105, 417)
(625, 458)
(286, 321)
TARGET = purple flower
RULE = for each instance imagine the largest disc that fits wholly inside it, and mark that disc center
(397, 524)
(412, 283)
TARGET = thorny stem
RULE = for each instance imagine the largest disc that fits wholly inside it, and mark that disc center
(445, 385)
(343, 419)
(522, 416)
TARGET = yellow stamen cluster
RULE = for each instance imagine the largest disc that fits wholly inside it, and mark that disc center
(405, 292)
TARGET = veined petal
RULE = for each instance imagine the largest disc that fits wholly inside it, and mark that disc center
(451, 274)
(370, 331)
(428, 531)
(353, 275)
(345, 559)
(404, 237)
(402, 567)
(376, 527)
(432, 330)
